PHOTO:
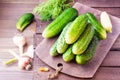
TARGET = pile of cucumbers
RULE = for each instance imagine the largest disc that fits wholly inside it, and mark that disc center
(78, 36)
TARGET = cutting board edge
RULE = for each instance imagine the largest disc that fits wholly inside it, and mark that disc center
(100, 63)
(62, 71)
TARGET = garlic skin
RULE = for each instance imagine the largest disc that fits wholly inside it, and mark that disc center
(23, 62)
(106, 22)
(19, 41)
(30, 51)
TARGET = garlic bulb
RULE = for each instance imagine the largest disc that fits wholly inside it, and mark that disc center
(19, 41)
(24, 62)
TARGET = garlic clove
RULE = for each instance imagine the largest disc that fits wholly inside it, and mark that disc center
(23, 62)
(30, 51)
(28, 67)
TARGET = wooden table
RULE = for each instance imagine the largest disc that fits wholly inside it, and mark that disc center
(10, 10)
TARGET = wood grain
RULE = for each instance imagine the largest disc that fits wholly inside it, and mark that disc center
(21, 1)
(92, 3)
(100, 3)
(37, 39)
(10, 11)
(13, 75)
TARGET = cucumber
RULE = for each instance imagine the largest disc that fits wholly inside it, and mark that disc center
(61, 43)
(54, 28)
(82, 43)
(24, 21)
(53, 50)
(68, 55)
(89, 53)
(76, 29)
(99, 30)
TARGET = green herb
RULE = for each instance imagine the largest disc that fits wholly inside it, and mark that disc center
(51, 9)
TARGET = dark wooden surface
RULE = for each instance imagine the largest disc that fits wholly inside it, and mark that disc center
(10, 10)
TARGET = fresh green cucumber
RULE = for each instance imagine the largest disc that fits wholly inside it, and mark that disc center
(76, 29)
(55, 28)
(68, 55)
(82, 43)
(89, 53)
(24, 21)
(99, 30)
(61, 43)
(53, 50)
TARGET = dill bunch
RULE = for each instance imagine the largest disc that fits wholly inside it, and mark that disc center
(50, 9)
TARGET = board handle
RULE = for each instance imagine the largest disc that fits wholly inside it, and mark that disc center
(57, 71)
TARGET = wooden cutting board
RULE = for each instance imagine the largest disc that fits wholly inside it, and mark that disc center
(83, 71)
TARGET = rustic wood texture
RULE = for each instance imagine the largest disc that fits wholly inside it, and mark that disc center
(100, 3)
(10, 10)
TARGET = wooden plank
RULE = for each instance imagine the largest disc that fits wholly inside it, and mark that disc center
(37, 61)
(14, 14)
(92, 3)
(112, 59)
(14, 10)
(8, 29)
(100, 3)
(16, 75)
(20, 1)
(37, 39)
(116, 45)
(113, 11)
(17, 5)
(7, 24)
(6, 55)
